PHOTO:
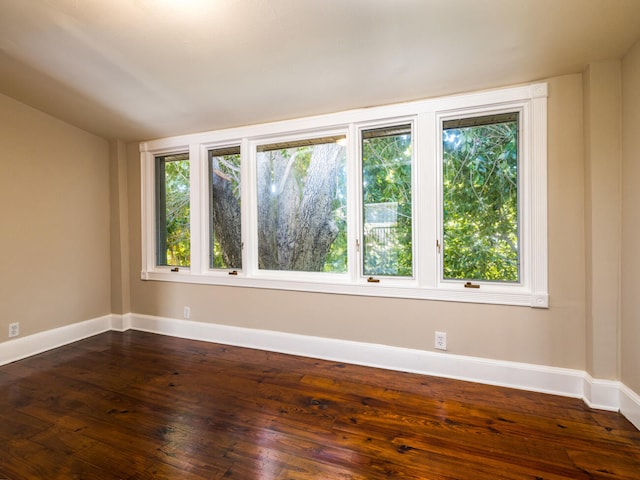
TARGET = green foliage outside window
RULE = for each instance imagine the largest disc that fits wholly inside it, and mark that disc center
(386, 187)
(302, 205)
(173, 211)
(480, 201)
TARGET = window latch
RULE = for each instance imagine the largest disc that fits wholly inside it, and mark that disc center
(373, 280)
(176, 269)
(471, 285)
(233, 272)
(437, 245)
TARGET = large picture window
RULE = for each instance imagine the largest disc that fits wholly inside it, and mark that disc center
(301, 205)
(441, 199)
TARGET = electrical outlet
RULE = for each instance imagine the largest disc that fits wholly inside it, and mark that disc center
(14, 329)
(187, 312)
(441, 340)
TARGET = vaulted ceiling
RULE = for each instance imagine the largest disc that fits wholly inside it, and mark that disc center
(141, 69)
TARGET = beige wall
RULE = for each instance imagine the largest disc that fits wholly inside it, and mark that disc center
(549, 337)
(119, 228)
(603, 162)
(54, 206)
(630, 327)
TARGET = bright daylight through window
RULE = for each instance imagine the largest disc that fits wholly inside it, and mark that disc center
(301, 205)
(480, 198)
(441, 199)
(386, 198)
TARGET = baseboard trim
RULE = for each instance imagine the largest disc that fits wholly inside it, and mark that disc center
(23, 347)
(537, 378)
(630, 405)
(121, 323)
(600, 394)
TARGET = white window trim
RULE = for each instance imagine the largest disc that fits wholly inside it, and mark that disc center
(524, 174)
(426, 119)
(361, 278)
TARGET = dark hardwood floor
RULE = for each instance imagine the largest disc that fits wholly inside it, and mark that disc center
(141, 406)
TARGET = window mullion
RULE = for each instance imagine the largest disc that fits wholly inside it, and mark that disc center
(248, 207)
(427, 200)
(205, 210)
(197, 212)
(354, 204)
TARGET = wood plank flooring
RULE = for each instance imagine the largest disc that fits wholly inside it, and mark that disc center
(139, 406)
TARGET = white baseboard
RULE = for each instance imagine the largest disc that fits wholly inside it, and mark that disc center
(23, 347)
(601, 394)
(630, 405)
(121, 323)
(537, 378)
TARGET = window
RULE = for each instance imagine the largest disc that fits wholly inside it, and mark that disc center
(441, 199)
(172, 210)
(301, 205)
(386, 198)
(225, 226)
(480, 198)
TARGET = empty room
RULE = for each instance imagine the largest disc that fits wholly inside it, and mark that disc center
(320, 239)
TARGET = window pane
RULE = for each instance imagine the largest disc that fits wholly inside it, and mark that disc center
(480, 199)
(224, 208)
(386, 187)
(172, 210)
(302, 204)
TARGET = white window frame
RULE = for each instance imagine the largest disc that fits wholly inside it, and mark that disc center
(405, 282)
(252, 237)
(205, 219)
(426, 118)
(524, 174)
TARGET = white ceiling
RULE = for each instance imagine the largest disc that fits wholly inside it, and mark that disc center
(141, 69)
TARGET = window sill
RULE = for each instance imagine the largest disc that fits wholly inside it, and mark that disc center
(487, 294)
